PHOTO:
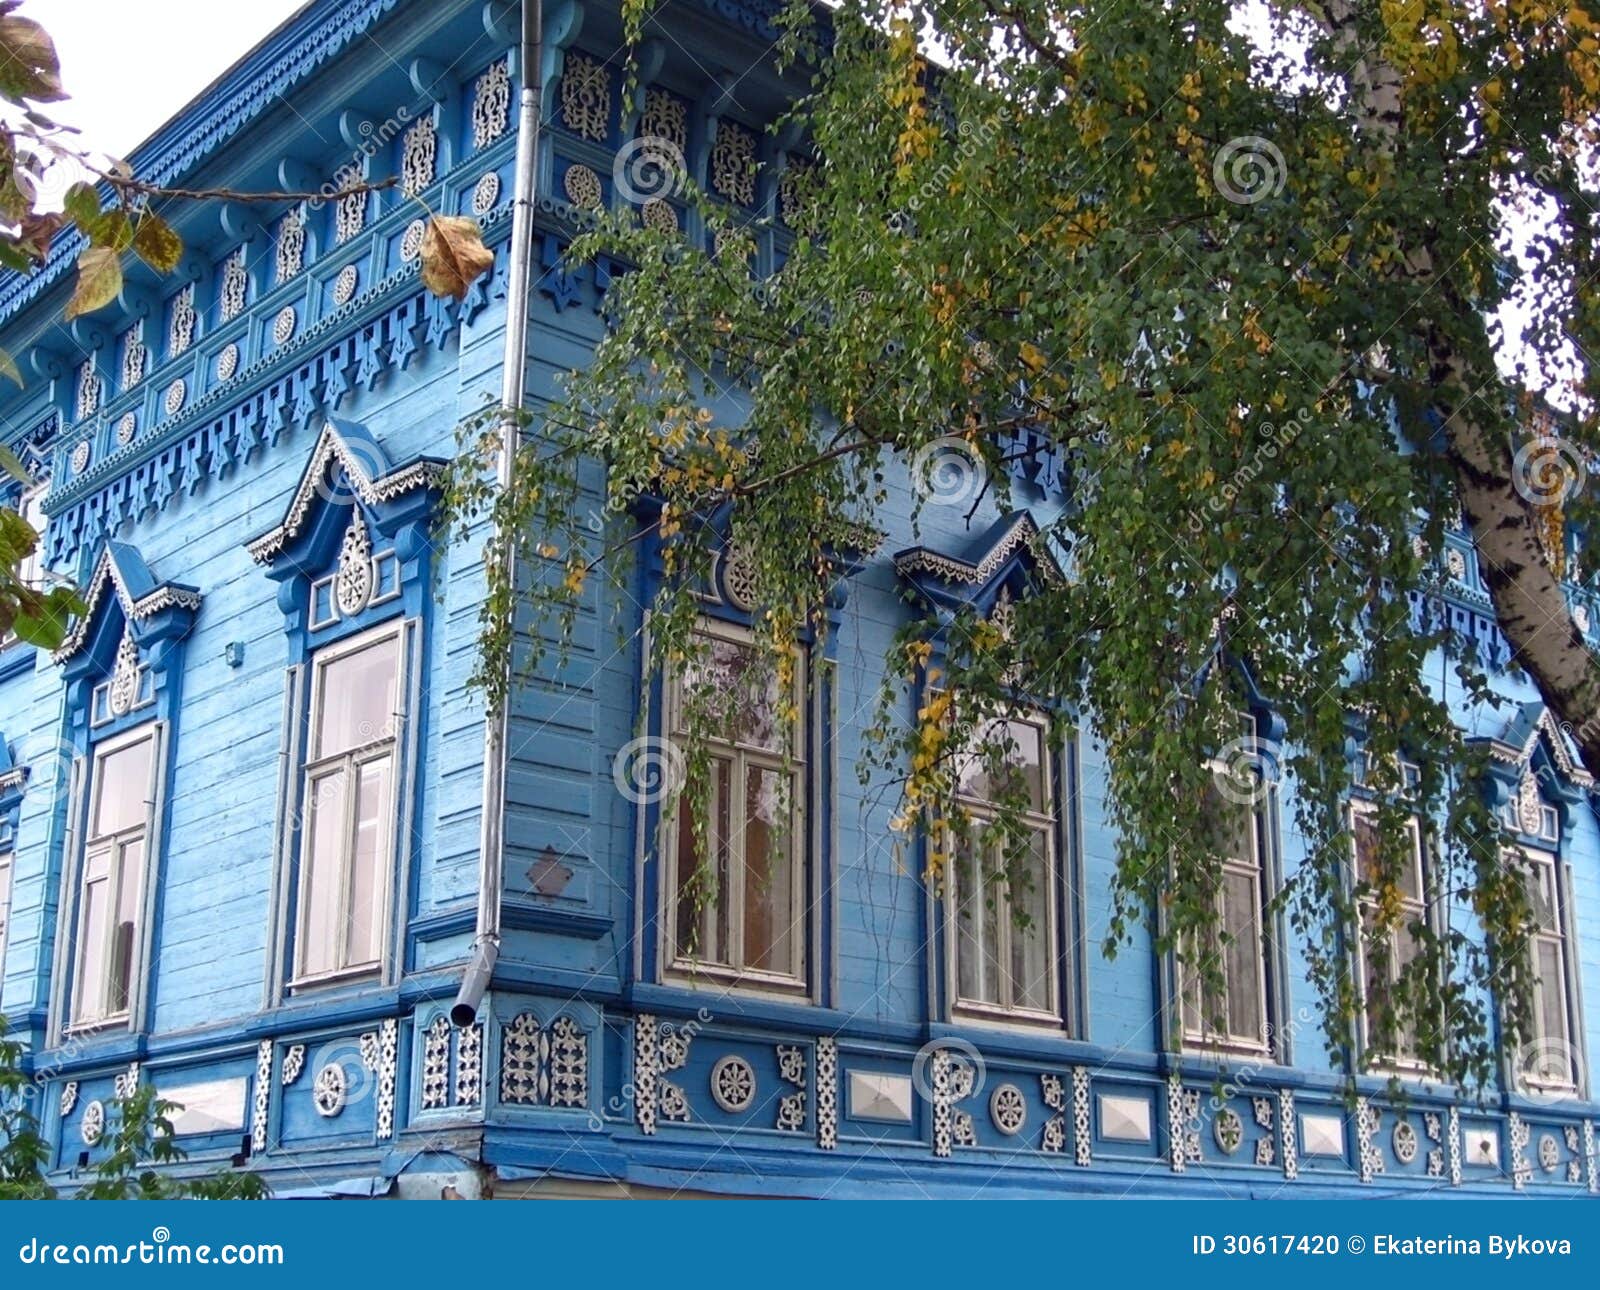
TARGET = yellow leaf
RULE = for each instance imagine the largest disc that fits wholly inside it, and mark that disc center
(453, 255)
(99, 281)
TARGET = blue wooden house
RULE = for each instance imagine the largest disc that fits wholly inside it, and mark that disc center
(243, 807)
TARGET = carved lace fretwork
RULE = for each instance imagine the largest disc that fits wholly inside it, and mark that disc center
(133, 356)
(666, 120)
(1288, 1129)
(235, 283)
(673, 1055)
(180, 328)
(124, 690)
(827, 1093)
(792, 1071)
(291, 247)
(1082, 1143)
(388, 1051)
(491, 104)
(1369, 1158)
(353, 581)
(261, 1095)
(88, 400)
(646, 1056)
(469, 1065)
(1054, 1095)
(953, 1080)
(541, 1067)
(1183, 1120)
(1455, 1147)
(1521, 1171)
(294, 1061)
(69, 1097)
(586, 96)
(349, 215)
(436, 1064)
(733, 163)
(419, 152)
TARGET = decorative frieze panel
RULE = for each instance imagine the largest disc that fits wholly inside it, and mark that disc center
(665, 123)
(419, 156)
(388, 1052)
(953, 1080)
(290, 249)
(88, 398)
(133, 358)
(261, 1095)
(1433, 1130)
(1288, 1134)
(491, 104)
(673, 1049)
(180, 324)
(1082, 1138)
(234, 288)
(349, 215)
(544, 1067)
(294, 1061)
(733, 163)
(792, 1071)
(469, 1065)
(1183, 1125)
(828, 1094)
(1521, 1171)
(1369, 1158)
(586, 96)
(646, 1055)
(69, 1097)
(1053, 1093)
(1454, 1150)
(436, 1064)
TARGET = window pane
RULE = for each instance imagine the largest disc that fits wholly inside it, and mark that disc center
(319, 883)
(1022, 746)
(124, 936)
(358, 698)
(1552, 1014)
(92, 929)
(1032, 962)
(1540, 883)
(741, 692)
(367, 866)
(770, 933)
(978, 913)
(123, 789)
(1245, 1014)
(702, 895)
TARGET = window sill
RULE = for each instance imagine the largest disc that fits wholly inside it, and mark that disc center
(1008, 1019)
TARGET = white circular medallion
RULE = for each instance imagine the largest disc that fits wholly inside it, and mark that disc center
(733, 1083)
(80, 458)
(94, 1123)
(660, 215)
(328, 1093)
(1228, 1130)
(173, 399)
(583, 187)
(1008, 1109)
(227, 362)
(344, 286)
(283, 325)
(1404, 1142)
(411, 240)
(486, 193)
(126, 427)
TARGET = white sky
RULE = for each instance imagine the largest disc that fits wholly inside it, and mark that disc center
(131, 64)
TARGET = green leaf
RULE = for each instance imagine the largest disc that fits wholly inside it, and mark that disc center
(29, 67)
(9, 461)
(99, 281)
(113, 229)
(157, 243)
(82, 204)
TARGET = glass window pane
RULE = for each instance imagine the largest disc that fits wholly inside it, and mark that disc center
(1411, 883)
(122, 789)
(357, 697)
(1032, 959)
(702, 895)
(977, 924)
(1245, 1013)
(741, 691)
(92, 930)
(364, 930)
(1552, 1014)
(1021, 743)
(124, 936)
(320, 893)
(770, 934)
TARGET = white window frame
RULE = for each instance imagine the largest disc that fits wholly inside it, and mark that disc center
(144, 833)
(1372, 1062)
(1560, 936)
(687, 969)
(1047, 823)
(1207, 1041)
(349, 762)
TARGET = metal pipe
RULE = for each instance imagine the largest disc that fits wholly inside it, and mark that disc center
(513, 389)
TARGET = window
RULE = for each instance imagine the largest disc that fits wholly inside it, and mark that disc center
(737, 887)
(1002, 891)
(111, 882)
(5, 906)
(1380, 979)
(1225, 1006)
(1550, 1053)
(348, 809)
(31, 507)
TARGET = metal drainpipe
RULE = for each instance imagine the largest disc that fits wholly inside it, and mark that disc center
(491, 835)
